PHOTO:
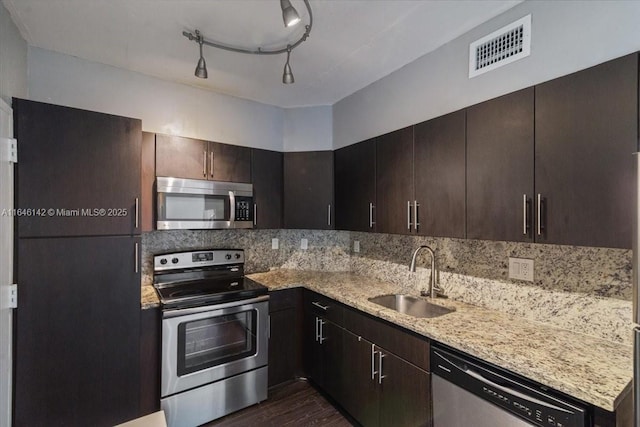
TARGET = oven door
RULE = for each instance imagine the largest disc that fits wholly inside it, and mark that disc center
(206, 344)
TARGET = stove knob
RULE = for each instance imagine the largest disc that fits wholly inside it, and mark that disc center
(237, 256)
(174, 260)
(228, 256)
(163, 261)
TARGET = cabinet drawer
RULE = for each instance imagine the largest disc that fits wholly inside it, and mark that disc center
(283, 299)
(403, 343)
(324, 307)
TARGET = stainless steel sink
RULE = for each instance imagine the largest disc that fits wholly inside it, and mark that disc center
(410, 305)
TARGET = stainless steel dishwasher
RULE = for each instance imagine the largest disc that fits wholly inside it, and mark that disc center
(467, 392)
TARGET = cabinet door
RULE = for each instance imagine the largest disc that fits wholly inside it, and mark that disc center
(440, 171)
(148, 178)
(311, 357)
(77, 332)
(73, 163)
(500, 168)
(282, 354)
(180, 157)
(308, 190)
(229, 162)
(332, 359)
(586, 130)
(405, 396)
(361, 392)
(150, 356)
(267, 178)
(355, 186)
(394, 181)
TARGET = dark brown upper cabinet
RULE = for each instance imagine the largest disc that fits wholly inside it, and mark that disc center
(439, 169)
(267, 178)
(308, 190)
(586, 128)
(500, 146)
(190, 158)
(148, 178)
(394, 182)
(355, 186)
(79, 171)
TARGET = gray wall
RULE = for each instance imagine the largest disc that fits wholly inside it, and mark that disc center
(13, 59)
(567, 36)
(173, 108)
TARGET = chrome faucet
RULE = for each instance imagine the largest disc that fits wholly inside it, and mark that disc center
(433, 290)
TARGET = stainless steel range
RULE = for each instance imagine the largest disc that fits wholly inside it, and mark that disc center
(214, 335)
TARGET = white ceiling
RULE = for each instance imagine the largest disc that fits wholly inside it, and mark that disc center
(352, 44)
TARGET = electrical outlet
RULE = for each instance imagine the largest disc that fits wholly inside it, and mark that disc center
(275, 244)
(521, 269)
(304, 244)
(356, 246)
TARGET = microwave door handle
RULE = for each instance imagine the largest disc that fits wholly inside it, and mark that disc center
(232, 206)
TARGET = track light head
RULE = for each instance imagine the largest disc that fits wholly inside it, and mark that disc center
(201, 68)
(287, 76)
(289, 13)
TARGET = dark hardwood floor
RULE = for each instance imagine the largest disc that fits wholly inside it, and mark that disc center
(295, 404)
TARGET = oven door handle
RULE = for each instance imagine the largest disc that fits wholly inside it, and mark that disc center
(213, 307)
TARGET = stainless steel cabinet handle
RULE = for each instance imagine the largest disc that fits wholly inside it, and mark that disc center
(255, 214)
(329, 214)
(524, 215)
(380, 376)
(137, 213)
(408, 214)
(204, 163)
(211, 163)
(371, 223)
(317, 304)
(415, 214)
(317, 330)
(539, 214)
(321, 337)
(269, 327)
(373, 362)
(136, 254)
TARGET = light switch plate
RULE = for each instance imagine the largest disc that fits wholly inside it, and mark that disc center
(356, 246)
(521, 269)
(275, 244)
(304, 243)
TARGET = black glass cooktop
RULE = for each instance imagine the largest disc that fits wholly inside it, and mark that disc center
(207, 292)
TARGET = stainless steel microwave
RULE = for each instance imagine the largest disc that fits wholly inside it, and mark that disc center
(199, 204)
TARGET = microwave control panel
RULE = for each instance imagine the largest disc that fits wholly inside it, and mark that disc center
(244, 211)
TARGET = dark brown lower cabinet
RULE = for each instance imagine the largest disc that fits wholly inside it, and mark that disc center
(150, 350)
(405, 393)
(77, 342)
(323, 355)
(361, 393)
(382, 389)
(371, 383)
(284, 336)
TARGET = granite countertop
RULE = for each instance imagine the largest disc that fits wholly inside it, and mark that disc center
(594, 370)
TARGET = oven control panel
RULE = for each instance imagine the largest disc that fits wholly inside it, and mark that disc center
(181, 260)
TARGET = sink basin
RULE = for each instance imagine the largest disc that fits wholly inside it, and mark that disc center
(410, 305)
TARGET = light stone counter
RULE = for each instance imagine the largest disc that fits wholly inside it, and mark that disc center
(594, 370)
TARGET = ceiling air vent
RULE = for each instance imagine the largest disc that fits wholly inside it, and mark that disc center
(501, 47)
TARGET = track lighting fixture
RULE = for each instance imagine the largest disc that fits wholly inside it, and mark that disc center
(289, 13)
(201, 68)
(290, 17)
(287, 76)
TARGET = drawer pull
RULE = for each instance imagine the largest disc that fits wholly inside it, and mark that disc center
(317, 304)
